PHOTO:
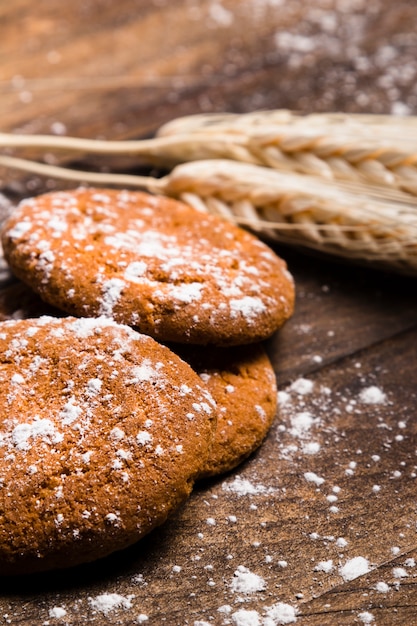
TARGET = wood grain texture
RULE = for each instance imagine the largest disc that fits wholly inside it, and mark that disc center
(336, 478)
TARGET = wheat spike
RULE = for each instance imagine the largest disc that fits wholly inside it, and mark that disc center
(365, 224)
(362, 222)
(377, 149)
(380, 150)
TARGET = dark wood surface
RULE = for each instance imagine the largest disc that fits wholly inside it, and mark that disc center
(98, 68)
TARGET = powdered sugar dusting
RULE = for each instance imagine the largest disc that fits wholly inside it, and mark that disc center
(22, 434)
(280, 613)
(248, 306)
(246, 582)
(57, 612)
(108, 602)
(372, 395)
(353, 568)
(111, 291)
(359, 54)
(127, 257)
(114, 415)
(243, 487)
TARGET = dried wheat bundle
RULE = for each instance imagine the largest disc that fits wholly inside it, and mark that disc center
(361, 222)
(379, 149)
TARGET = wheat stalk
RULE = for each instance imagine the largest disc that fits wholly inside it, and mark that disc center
(162, 151)
(374, 149)
(362, 222)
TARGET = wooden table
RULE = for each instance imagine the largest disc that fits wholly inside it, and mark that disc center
(319, 526)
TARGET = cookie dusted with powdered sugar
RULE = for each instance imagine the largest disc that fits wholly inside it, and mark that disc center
(242, 381)
(151, 262)
(102, 434)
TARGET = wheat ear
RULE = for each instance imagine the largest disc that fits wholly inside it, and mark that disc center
(378, 149)
(360, 222)
(359, 148)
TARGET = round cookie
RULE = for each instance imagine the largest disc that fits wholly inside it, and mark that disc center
(151, 262)
(243, 384)
(103, 432)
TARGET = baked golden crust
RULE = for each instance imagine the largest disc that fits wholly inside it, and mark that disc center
(103, 432)
(243, 384)
(151, 262)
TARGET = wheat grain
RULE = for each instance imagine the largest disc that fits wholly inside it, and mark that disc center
(378, 149)
(362, 222)
(399, 128)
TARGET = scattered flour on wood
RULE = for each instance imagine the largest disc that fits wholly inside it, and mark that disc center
(353, 568)
(311, 477)
(246, 618)
(280, 614)
(301, 424)
(399, 572)
(108, 602)
(372, 395)
(57, 612)
(243, 487)
(302, 386)
(246, 582)
(324, 566)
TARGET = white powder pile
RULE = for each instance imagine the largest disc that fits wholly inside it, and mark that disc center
(246, 618)
(301, 424)
(302, 386)
(108, 602)
(243, 487)
(280, 614)
(382, 587)
(57, 612)
(311, 477)
(372, 395)
(324, 566)
(246, 582)
(111, 291)
(311, 447)
(353, 568)
(399, 572)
